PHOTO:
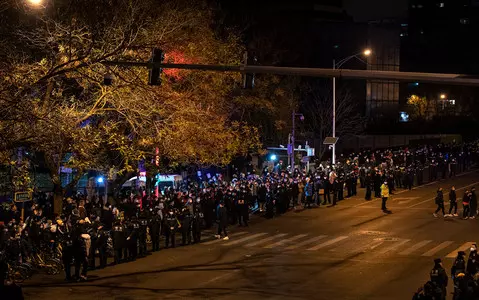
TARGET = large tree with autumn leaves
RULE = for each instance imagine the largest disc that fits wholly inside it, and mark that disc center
(53, 100)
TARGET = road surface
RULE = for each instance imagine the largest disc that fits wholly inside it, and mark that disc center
(351, 251)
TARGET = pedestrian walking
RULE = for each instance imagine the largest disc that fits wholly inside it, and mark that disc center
(465, 205)
(452, 202)
(473, 203)
(440, 203)
(222, 217)
(384, 195)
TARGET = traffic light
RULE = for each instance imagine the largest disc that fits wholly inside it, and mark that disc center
(248, 78)
(157, 56)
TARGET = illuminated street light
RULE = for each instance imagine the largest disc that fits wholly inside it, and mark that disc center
(35, 2)
(273, 157)
(367, 52)
(99, 179)
(443, 96)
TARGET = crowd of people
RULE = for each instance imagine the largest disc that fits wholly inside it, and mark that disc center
(91, 229)
(465, 276)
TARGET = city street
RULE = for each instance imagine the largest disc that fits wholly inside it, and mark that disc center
(351, 251)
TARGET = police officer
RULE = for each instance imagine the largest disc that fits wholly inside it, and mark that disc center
(155, 230)
(185, 227)
(102, 245)
(119, 240)
(242, 213)
(171, 225)
(439, 277)
(459, 265)
(66, 240)
(132, 232)
(196, 222)
(143, 222)
(80, 249)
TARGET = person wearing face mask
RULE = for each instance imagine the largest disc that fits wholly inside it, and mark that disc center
(171, 226)
(452, 202)
(196, 221)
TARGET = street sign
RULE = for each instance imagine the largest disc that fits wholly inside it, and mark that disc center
(23, 196)
(330, 140)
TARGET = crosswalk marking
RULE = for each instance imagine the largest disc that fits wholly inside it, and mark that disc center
(415, 247)
(328, 243)
(463, 247)
(247, 238)
(266, 240)
(438, 248)
(306, 242)
(282, 242)
(394, 246)
(231, 235)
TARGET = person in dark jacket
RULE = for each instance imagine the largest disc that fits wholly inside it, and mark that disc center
(222, 218)
(440, 203)
(171, 226)
(452, 202)
(102, 245)
(473, 203)
(119, 240)
(439, 277)
(185, 227)
(155, 231)
(459, 265)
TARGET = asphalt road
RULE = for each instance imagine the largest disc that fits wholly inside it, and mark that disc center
(351, 251)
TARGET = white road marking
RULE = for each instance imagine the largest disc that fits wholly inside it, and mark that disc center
(415, 247)
(328, 243)
(306, 242)
(282, 242)
(247, 238)
(463, 247)
(219, 240)
(438, 248)
(266, 240)
(394, 246)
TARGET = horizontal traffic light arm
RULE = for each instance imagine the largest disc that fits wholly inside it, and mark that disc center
(455, 79)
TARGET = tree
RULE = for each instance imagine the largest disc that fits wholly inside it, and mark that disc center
(419, 105)
(53, 100)
(318, 110)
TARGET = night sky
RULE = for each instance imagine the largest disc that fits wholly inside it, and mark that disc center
(366, 10)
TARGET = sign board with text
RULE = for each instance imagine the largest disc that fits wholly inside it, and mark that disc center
(23, 196)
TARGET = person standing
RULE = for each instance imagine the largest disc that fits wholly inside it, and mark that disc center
(102, 245)
(368, 182)
(465, 205)
(222, 217)
(452, 202)
(155, 231)
(439, 202)
(384, 195)
(119, 240)
(171, 225)
(473, 203)
(308, 191)
(439, 277)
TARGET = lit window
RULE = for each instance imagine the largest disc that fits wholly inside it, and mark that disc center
(464, 21)
(452, 102)
(441, 4)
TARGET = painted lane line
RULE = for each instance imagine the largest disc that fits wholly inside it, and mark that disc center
(266, 240)
(282, 242)
(438, 248)
(393, 247)
(219, 240)
(463, 247)
(247, 238)
(306, 242)
(415, 247)
(328, 243)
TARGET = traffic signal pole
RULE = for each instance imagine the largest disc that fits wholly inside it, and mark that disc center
(453, 79)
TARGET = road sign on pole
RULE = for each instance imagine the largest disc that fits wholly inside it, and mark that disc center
(23, 197)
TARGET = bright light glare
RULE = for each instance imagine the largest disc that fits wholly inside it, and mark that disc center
(99, 179)
(443, 96)
(35, 2)
(273, 157)
(367, 52)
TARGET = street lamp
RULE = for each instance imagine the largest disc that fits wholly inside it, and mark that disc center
(35, 2)
(301, 117)
(443, 96)
(338, 65)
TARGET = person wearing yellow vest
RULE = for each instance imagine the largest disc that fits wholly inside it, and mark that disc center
(384, 195)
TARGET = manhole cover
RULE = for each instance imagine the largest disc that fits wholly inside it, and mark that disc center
(387, 239)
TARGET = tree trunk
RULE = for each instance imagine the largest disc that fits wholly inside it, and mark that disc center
(57, 198)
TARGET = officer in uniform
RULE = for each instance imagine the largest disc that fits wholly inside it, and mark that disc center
(242, 212)
(80, 250)
(102, 245)
(196, 222)
(66, 239)
(439, 277)
(119, 240)
(171, 225)
(459, 265)
(143, 221)
(155, 230)
(185, 226)
(132, 232)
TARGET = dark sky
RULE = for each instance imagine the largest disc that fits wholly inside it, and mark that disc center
(366, 10)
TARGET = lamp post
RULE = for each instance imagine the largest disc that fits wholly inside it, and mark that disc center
(338, 65)
(294, 115)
